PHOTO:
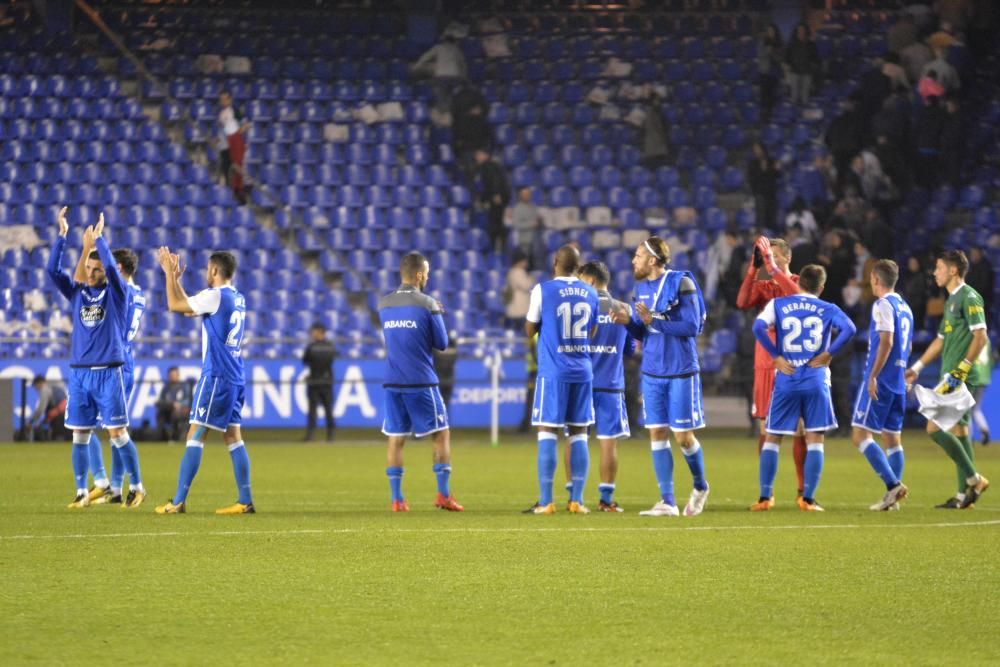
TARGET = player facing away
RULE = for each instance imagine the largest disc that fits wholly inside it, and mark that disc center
(96, 378)
(669, 315)
(961, 338)
(563, 312)
(105, 490)
(608, 348)
(413, 326)
(774, 255)
(219, 394)
(804, 325)
(881, 403)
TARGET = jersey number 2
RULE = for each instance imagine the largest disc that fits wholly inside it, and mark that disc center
(574, 322)
(236, 332)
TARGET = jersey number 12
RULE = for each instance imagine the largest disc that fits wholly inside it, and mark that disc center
(574, 322)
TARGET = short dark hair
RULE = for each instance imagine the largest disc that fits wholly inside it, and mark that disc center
(812, 278)
(94, 255)
(567, 259)
(598, 271)
(887, 272)
(225, 262)
(172, 369)
(37, 380)
(317, 326)
(127, 259)
(411, 264)
(957, 259)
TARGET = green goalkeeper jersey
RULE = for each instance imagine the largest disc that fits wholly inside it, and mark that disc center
(963, 313)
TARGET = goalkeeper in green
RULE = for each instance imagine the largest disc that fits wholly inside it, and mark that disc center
(961, 337)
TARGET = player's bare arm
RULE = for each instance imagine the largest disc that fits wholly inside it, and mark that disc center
(821, 360)
(177, 299)
(885, 339)
(530, 329)
(645, 314)
(61, 221)
(930, 354)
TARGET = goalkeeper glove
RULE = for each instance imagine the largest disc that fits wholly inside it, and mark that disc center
(767, 255)
(956, 378)
(758, 261)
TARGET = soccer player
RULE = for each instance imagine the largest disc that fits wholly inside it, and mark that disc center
(669, 315)
(563, 312)
(105, 490)
(881, 403)
(219, 394)
(413, 327)
(774, 255)
(96, 380)
(608, 348)
(961, 338)
(802, 355)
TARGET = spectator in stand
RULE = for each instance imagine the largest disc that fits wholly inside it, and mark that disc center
(878, 236)
(872, 90)
(470, 130)
(893, 119)
(232, 145)
(894, 164)
(929, 87)
(892, 68)
(914, 58)
(952, 144)
(517, 291)
(943, 38)
(653, 133)
(945, 74)
(47, 418)
(444, 64)
(769, 58)
(902, 33)
(927, 142)
(838, 260)
(173, 406)
(762, 176)
(720, 257)
(527, 225)
(800, 215)
(916, 290)
(981, 278)
(494, 195)
(844, 139)
(804, 252)
(803, 62)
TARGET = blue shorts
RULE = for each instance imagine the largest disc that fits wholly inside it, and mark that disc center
(814, 407)
(96, 396)
(218, 403)
(559, 404)
(882, 416)
(612, 418)
(418, 411)
(672, 402)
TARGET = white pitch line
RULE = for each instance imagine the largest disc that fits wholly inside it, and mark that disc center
(512, 529)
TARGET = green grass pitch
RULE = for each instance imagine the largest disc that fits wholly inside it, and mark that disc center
(325, 574)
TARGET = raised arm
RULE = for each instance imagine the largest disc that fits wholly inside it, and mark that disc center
(115, 278)
(54, 268)
(80, 275)
(177, 298)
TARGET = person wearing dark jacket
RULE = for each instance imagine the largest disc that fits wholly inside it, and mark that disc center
(981, 277)
(318, 357)
(803, 61)
(762, 176)
(494, 195)
(843, 138)
(952, 143)
(470, 130)
(927, 142)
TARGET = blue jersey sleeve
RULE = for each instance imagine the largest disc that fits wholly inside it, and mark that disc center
(115, 279)
(62, 281)
(846, 330)
(687, 321)
(760, 332)
(439, 333)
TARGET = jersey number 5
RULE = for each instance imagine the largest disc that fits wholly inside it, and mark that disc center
(793, 341)
(574, 322)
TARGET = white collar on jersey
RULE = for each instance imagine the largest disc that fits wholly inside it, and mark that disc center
(569, 279)
(960, 286)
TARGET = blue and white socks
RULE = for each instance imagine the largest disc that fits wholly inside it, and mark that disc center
(130, 459)
(879, 462)
(695, 459)
(442, 472)
(81, 460)
(546, 466)
(813, 470)
(663, 467)
(395, 475)
(895, 457)
(241, 471)
(768, 469)
(579, 465)
(189, 468)
(607, 491)
(97, 461)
